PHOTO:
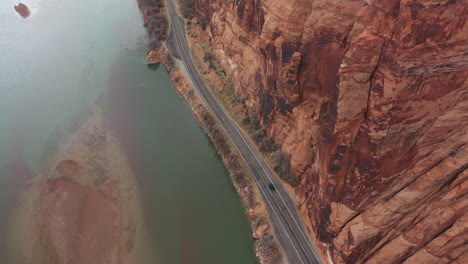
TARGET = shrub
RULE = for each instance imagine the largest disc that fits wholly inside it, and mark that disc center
(283, 168)
(269, 246)
(254, 121)
(203, 26)
(267, 145)
(210, 58)
(259, 135)
(187, 8)
(239, 177)
(245, 121)
(191, 94)
(277, 156)
(156, 23)
(222, 146)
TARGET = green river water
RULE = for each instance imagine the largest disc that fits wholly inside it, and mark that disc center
(69, 57)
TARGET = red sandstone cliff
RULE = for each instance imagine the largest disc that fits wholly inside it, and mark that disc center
(369, 99)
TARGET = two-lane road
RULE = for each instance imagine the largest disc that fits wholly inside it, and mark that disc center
(282, 211)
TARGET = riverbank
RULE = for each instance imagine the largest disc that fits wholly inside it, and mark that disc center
(217, 70)
(266, 247)
(76, 184)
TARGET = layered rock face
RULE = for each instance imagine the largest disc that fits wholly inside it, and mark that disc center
(370, 101)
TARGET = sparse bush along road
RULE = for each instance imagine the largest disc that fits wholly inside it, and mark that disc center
(284, 218)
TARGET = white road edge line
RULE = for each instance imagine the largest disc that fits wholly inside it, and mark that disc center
(258, 184)
(248, 145)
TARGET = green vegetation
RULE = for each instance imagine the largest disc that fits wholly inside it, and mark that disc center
(269, 148)
(191, 94)
(156, 22)
(248, 117)
(223, 147)
(236, 106)
(214, 64)
(283, 168)
(267, 241)
(269, 246)
(187, 8)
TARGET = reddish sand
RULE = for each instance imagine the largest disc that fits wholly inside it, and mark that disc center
(22, 10)
(80, 224)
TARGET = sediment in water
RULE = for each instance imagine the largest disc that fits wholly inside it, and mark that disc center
(85, 208)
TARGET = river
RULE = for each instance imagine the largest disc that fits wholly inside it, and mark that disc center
(74, 72)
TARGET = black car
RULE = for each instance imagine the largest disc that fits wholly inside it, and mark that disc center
(271, 186)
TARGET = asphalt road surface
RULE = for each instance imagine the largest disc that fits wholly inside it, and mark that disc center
(283, 214)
